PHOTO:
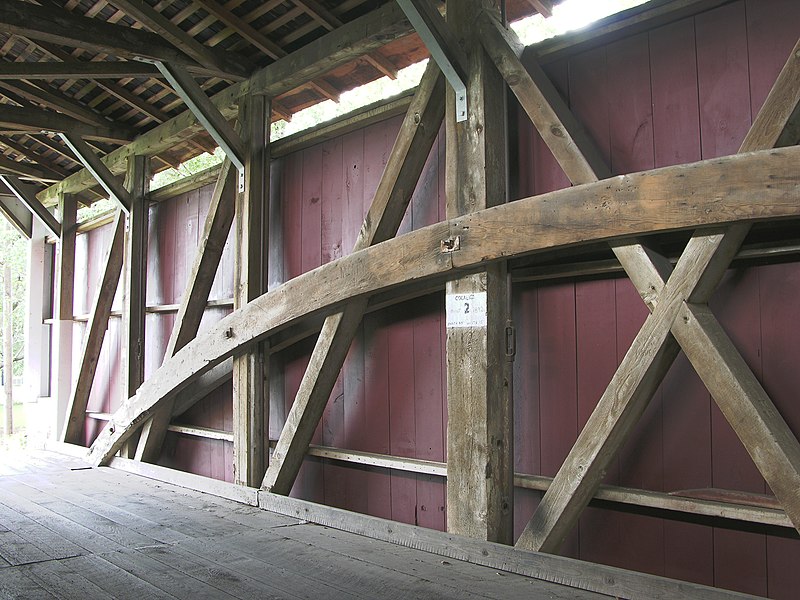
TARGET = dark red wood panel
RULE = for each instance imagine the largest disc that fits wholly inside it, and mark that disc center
(780, 376)
(558, 407)
(596, 335)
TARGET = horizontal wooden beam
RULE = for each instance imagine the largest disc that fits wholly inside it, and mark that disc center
(77, 70)
(225, 64)
(26, 169)
(36, 120)
(351, 41)
(756, 186)
(55, 100)
(67, 29)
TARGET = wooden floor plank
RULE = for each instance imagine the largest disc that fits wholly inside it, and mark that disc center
(116, 582)
(97, 523)
(14, 583)
(61, 581)
(216, 575)
(138, 538)
(163, 577)
(277, 578)
(18, 551)
(354, 578)
(52, 544)
(75, 533)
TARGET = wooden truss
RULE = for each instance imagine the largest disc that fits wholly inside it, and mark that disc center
(680, 317)
(468, 252)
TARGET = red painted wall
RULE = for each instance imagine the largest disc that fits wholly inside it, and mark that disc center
(679, 93)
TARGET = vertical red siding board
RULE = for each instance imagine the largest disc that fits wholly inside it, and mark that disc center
(428, 360)
(331, 223)
(773, 27)
(688, 548)
(596, 325)
(311, 258)
(376, 390)
(781, 380)
(722, 69)
(526, 400)
(558, 405)
(673, 66)
(590, 95)
(740, 557)
(402, 427)
(360, 163)
(630, 119)
(428, 355)
(375, 438)
(725, 115)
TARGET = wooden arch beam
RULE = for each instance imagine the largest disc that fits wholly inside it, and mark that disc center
(680, 317)
(756, 186)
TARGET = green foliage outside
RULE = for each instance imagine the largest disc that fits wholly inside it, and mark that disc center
(14, 252)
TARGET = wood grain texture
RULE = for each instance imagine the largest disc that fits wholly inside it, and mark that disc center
(634, 204)
(479, 405)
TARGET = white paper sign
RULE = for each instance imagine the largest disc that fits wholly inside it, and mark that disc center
(466, 310)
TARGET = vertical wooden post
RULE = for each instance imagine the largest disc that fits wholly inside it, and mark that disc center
(8, 358)
(138, 178)
(62, 317)
(479, 413)
(37, 334)
(135, 284)
(250, 409)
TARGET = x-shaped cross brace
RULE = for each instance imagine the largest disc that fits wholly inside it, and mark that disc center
(680, 317)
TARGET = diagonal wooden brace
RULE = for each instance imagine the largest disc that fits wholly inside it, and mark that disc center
(764, 433)
(414, 142)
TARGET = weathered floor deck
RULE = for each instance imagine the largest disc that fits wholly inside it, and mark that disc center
(67, 531)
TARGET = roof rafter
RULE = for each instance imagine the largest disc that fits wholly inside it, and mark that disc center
(62, 27)
(224, 62)
(36, 120)
(75, 69)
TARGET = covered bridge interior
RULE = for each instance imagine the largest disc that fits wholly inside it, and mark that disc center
(546, 300)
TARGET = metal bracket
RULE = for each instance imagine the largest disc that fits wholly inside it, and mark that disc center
(444, 48)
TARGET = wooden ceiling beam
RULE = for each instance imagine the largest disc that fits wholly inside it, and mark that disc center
(53, 146)
(36, 120)
(349, 42)
(63, 28)
(242, 27)
(28, 153)
(75, 69)
(330, 22)
(26, 170)
(140, 104)
(55, 100)
(225, 63)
